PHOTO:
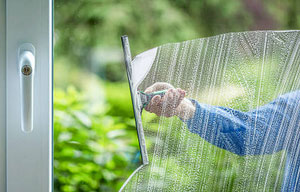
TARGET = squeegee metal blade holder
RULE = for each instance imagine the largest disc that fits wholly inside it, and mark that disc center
(136, 100)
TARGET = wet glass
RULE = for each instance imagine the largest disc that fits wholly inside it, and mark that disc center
(244, 134)
(96, 147)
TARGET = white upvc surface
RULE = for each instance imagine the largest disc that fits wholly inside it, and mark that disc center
(2, 95)
(29, 155)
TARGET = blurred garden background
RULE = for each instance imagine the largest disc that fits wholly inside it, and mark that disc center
(95, 141)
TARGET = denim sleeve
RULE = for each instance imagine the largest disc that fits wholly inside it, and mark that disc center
(261, 131)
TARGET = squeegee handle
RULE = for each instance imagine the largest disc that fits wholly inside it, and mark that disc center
(149, 96)
(161, 93)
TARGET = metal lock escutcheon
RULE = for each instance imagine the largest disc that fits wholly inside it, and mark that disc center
(26, 70)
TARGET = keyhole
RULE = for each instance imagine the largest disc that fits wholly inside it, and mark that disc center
(26, 70)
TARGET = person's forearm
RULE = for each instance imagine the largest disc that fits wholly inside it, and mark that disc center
(261, 131)
(185, 110)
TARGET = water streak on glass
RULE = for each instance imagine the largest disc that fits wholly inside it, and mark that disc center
(245, 135)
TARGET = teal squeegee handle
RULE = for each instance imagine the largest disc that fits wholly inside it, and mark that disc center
(146, 97)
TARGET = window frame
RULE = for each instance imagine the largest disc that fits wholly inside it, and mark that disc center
(29, 155)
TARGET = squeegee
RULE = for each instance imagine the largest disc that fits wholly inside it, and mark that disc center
(136, 100)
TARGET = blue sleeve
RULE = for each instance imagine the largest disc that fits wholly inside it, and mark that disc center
(260, 131)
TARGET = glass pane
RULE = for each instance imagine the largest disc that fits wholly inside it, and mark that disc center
(242, 131)
(95, 139)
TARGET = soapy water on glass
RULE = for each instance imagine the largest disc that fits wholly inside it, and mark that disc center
(244, 133)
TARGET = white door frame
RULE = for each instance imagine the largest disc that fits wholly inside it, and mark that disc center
(29, 154)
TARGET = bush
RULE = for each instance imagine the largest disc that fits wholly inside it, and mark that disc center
(93, 151)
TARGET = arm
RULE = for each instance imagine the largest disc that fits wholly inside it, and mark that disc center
(261, 131)
(266, 130)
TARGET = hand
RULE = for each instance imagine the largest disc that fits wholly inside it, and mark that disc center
(172, 103)
(166, 105)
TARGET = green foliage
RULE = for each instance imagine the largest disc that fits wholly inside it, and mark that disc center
(118, 97)
(92, 151)
(83, 25)
(95, 142)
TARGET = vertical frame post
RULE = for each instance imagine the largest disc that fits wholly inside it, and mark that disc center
(2, 95)
(29, 154)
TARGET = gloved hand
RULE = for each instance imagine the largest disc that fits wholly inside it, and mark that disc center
(172, 103)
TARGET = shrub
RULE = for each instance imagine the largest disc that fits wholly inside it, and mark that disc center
(93, 151)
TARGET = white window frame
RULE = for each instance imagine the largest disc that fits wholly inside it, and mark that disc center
(2, 96)
(28, 155)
